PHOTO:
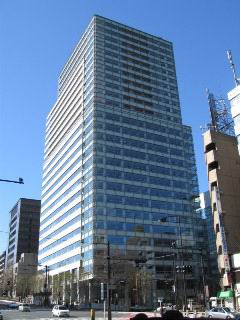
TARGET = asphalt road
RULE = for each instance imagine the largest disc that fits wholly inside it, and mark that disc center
(47, 314)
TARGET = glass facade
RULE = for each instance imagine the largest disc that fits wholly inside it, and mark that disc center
(117, 157)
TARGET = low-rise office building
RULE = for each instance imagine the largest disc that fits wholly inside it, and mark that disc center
(25, 272)
(223, 169)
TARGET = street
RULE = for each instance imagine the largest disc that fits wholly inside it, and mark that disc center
(47, 314)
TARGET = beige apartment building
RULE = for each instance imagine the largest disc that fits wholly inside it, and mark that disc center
(223, 169)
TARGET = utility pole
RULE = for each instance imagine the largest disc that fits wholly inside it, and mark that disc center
(182, 261)
(180, 254)
(109, 282)
(174, 279)
(203, 279)
(46, 285)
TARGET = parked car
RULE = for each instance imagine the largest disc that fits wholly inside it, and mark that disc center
(1, 316)
(222, 313)
(60, 311)
(165, 307)
(3, 306)
(24, 307)
(13, 305)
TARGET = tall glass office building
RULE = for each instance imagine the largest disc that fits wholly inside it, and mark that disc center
(119, 166)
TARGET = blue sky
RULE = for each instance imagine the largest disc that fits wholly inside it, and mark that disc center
(38, 36)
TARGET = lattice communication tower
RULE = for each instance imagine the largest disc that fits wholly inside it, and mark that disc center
(221, 119)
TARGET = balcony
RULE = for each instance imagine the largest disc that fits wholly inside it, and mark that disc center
(211, 156)
(221, 263)
(212, 176)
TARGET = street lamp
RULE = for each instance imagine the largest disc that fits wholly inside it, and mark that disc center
(19, 181)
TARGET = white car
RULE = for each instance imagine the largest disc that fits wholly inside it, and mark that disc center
(222, 313)
(24, 307)
(60, 311)
(165, 307)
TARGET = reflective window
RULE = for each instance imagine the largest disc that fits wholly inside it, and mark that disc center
(113, 162)
(160, 170)
(135, 177)
(162, 205)
(113, 186)
(113, 173)
(179, 184)
(114, 225)
(135, 189)
(113, 150)
(113, 199)
(160, 181)
(136, 202)
(157, 158)
(164, 229)
(160, 193)
(134, 154)
(120, 240)
(134, 165)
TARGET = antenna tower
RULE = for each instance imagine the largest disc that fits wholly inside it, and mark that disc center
(221, 120)
(230, 59)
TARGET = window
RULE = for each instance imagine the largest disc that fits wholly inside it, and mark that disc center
(160, 181)
(210, 146)
(213, 165)
(134, 154)
(160, 193)
(112, 127)
(137, 227)
(133, 143)
(162, 205)
(220, 251)
(113, 139)
(113, 150)
(113, 162)
(120, 240)
(134, 165)
(164, 229)
(114, 225)
(133, 132)
(213, 185)
(113, 199)
(113, 186)
(135, 189)
(159, 170)
(135, 177)
(136, 202)
(113, 173)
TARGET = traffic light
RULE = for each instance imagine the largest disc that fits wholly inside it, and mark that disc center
(140, 259)
(187, 269)
(184, 268)
(178, 269)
